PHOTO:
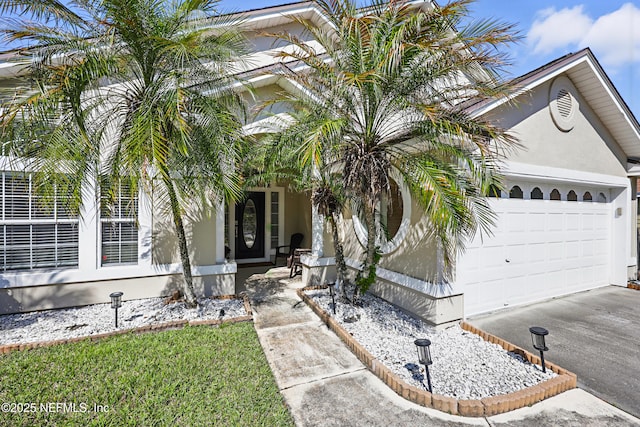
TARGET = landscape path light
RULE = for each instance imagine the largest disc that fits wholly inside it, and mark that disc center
(537, 339)
(424, 357)
(116, 302)
(332, 292)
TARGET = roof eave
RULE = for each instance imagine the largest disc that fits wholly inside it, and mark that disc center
(565, 65)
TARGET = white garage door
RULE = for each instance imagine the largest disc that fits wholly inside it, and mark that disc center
(540, 249)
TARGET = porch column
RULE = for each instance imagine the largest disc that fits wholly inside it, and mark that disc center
(145, 228)
(89, 228)
(317, 225)
(317, 270)
(220, 259)
(317, 232)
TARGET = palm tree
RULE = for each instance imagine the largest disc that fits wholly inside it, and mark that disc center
(328, 200)
(388, 86)
(129, 92)
(285, 153)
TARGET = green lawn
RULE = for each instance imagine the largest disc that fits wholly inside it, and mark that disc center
(196, 376)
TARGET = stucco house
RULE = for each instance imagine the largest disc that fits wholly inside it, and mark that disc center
(566, 222)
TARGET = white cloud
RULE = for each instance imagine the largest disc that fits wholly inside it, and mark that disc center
(614, 37)
(554, 29)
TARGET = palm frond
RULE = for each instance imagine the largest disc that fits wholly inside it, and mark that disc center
(388, 94)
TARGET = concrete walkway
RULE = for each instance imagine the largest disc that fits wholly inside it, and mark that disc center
(324, 384)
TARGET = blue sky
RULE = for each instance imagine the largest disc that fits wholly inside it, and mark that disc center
(553, 28)
(611, 28)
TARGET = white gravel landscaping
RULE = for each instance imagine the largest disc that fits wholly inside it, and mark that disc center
(464, 365)
(95, 319)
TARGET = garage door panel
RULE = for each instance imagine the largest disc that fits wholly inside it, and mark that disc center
(514, 288)
(601, 275)
(516, 253)
(572, 249)
(480, 295)
(472, 256)
(588, 248)
(554, 276)
(572, 276)
(573, 222)
(516, 222)
(555, 222)
(491, 257)
(575, 262)
(601, 223)
(556, 265)
(537, 252)
(537, 221)
(588, 222)
(553, 248)
(594, 235)
(489, 275)
(601, 248)
(588, 274)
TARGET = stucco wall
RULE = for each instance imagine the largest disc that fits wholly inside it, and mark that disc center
(588, 147)
(328, 248)
(23, 299)
(158, 260)
(261, 41)
(297, 217)
(415, 256)
(200, 230)
(257, 97)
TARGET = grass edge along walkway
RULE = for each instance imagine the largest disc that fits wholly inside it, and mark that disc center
(197, 375)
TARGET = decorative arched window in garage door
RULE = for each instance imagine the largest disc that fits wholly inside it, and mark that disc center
(536, 194)
(516, 192)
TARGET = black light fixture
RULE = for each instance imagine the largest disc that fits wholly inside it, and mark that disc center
(116, 302)
(424, 357)
(537, 339)
(332, 292)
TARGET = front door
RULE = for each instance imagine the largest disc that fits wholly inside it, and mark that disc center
(250, 227)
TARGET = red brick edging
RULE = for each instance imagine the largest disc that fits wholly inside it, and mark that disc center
(142, 329)
(469, 408)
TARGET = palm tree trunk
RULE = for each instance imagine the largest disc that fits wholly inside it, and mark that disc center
(370, 219)
(341, 265)
(367, 275)
(189, 294)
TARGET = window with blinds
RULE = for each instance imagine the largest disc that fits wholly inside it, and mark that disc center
(32, 235)
(119, 227)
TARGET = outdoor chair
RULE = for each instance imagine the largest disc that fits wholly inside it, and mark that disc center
(294, 243)
(293, 262)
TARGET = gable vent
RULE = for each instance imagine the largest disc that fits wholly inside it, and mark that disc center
(564, 103)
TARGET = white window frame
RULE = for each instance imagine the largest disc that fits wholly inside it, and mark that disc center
(389, 246)
(32, 220)
(118, 219)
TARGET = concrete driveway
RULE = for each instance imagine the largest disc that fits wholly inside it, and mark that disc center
(595, 334)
